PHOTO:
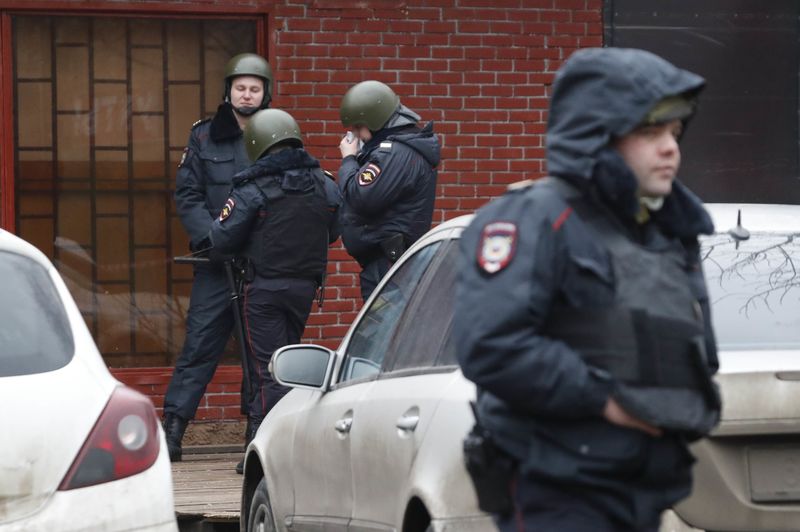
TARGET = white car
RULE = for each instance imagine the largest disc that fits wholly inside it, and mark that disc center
(371, 437)
(747, 475)
(78, 450)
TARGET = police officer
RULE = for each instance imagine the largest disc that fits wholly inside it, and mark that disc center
(582, 313)
(281, 216)
(215, 152)
(388, 183)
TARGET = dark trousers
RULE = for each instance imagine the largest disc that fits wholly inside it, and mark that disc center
(208, 326)
(371, 275)
(275, 315)
(630, 500)
(540, 507)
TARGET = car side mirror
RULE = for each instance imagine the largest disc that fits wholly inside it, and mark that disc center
(303, 366)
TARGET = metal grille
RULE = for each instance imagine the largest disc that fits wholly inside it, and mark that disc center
(103, 109)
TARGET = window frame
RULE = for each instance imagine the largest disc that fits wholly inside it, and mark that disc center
(262, 16)
(435, 237)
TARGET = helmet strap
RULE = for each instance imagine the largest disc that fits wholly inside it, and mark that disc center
(246, 111)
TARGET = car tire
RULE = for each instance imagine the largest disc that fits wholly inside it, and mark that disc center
(261, 518)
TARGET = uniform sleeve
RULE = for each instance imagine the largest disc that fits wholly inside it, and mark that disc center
(230, 230)
(499, 317)
(373, 187)
(190, 194)
(334, 201)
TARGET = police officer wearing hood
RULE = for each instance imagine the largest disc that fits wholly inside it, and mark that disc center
(281, 216)
(215, 153)
(389, 184)
(582, 312)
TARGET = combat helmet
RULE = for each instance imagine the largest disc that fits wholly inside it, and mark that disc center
(267, 128)
(369, 103)
(249, 65)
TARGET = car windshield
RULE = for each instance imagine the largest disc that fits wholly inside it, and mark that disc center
(754, 287)
(34, 330)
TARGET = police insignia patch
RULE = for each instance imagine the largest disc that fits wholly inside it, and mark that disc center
(227, 209)
(369, 175)
(497, 246)
(183, 156)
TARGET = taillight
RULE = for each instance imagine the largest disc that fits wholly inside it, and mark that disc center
(123, 442)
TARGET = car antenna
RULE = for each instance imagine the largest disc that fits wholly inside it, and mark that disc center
(739, 233)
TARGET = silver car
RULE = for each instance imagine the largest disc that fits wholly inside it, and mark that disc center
(370, 439)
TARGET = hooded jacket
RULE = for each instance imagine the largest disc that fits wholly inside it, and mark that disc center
(529, 250)
(389, 187)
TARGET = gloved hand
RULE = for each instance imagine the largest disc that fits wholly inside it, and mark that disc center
(217, 257)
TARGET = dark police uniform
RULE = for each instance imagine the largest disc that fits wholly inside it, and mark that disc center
(281, 216)
(214, 154)
(566, 299)
(389, 189)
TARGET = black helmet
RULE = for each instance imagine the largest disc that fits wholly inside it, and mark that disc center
(249, 65)
(369, 103)
(267, 128)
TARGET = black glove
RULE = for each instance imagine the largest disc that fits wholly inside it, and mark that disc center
(217, 257)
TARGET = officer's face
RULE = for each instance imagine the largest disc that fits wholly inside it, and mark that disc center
(247, 91)
(653, 154)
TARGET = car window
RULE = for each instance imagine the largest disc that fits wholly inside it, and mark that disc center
(35, 336)
(754, 289)
(427, 320)
(371, 337)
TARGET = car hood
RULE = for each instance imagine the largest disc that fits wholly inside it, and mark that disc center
(45, 420)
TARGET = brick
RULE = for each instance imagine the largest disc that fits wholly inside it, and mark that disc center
(473, 27)
(214, 400)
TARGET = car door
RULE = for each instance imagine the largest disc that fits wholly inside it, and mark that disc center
(395, 413)
(322, 454)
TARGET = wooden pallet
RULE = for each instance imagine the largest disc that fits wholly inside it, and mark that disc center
(206, 486)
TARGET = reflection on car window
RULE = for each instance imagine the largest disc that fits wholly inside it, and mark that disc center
(754, 289)
(371, 337)
(34, 331)
(427, 322)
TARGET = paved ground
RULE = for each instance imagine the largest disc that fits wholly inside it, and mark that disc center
(207, 489)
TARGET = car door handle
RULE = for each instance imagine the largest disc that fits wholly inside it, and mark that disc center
(408, 422)
(343, 425)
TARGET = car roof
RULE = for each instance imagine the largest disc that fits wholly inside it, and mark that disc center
(756, 217)
(13, 243)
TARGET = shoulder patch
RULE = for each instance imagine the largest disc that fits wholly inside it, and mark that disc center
(520, 185)
(497, 246)
(183, 156)
(227, 209)
(329, 175)
(200, 122)
(369, 174)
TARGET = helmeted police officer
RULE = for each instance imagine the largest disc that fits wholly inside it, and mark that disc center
(215, 153)
(281, 216)
(582, 313)
(389, 184)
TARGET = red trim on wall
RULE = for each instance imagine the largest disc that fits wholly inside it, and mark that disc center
(6, 127)
(231, 8)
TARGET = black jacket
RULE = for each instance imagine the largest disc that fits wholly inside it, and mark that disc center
(214, 154)
(528, 250)
(389, 188)
(282, 215)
